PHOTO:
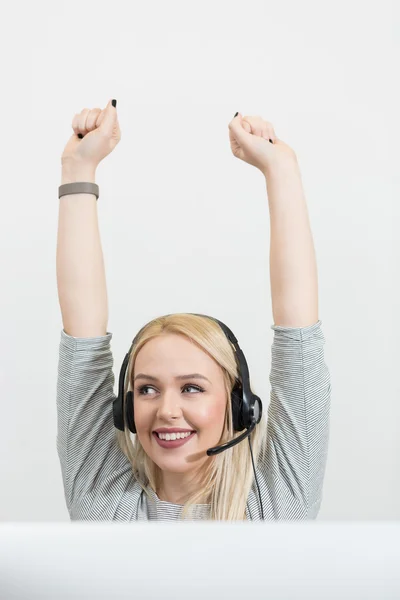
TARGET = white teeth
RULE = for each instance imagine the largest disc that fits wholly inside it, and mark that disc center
(173, 436)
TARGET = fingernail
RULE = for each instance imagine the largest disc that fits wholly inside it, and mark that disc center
(271, 141)
(114, 103)
(235, 115)
(80, 135)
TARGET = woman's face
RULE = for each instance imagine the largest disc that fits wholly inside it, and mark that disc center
(174, 403)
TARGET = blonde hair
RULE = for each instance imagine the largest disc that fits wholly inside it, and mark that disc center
(227, 477)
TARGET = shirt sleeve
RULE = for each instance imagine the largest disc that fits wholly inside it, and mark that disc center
(295, 454)
(86, 442)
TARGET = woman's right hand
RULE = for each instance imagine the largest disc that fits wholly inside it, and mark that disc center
(101, 133)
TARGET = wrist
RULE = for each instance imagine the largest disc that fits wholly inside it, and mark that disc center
(282, 167)
(73, 172)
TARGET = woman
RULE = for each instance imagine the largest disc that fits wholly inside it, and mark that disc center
(163, 470)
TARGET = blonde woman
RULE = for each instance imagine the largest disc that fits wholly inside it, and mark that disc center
(181, 368)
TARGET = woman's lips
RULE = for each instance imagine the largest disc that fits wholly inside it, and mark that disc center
(173, 443)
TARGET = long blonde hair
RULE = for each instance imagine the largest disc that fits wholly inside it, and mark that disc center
(227, 477)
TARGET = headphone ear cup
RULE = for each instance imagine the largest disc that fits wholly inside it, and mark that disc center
(258, 408)
(129, 412)
(117, 414)
(237, 405)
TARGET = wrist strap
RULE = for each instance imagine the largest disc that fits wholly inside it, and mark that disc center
(79, 187)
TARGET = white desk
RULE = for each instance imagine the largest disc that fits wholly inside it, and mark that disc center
(297, 560)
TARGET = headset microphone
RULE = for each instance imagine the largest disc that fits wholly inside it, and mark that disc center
(218, 449)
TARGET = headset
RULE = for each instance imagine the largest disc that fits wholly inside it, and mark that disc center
(246, 406)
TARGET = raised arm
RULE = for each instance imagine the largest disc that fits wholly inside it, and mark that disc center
(81, 280)
(293, 268)
(94, 469)
(294, 458)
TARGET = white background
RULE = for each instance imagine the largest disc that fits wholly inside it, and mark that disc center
(185, 225)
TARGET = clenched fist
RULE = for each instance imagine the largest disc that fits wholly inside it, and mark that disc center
(98, 132)
(250, 141)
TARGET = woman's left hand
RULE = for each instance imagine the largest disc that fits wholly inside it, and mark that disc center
(249, 138)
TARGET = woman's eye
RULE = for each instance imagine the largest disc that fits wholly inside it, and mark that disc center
(195, 387)
(145, 387)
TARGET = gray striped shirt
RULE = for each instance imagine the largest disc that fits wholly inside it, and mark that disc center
(98, 480)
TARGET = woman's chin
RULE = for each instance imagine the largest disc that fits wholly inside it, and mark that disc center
(182, 463)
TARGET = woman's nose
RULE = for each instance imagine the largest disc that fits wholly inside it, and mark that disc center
(169, 406)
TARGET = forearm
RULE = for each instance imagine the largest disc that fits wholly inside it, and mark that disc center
(81, 280)
(293, 268)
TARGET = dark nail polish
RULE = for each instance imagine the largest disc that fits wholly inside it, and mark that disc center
(235, 115)
(114, 103)
(80, 135)
(271, 141)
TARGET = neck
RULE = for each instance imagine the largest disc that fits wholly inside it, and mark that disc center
(176, 487)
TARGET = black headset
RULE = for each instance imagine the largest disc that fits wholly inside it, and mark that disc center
(246, 406)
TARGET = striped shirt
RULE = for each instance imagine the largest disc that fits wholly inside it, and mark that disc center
(97, 476)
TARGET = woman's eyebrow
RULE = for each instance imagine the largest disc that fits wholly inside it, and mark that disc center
(190, 376)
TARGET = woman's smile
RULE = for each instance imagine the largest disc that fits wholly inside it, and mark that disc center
(174, 439)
